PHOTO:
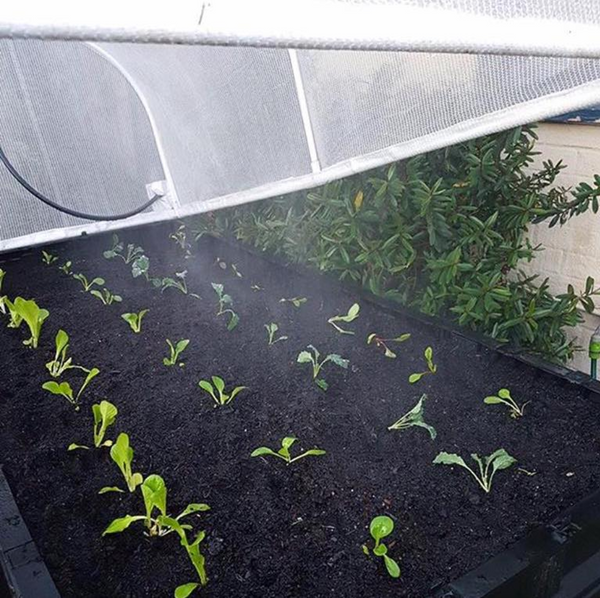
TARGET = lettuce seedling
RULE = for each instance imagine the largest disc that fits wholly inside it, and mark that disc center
(177, 283)
(66, 268)
(64, 389)
(382, 343)
(175, 351)
(122, 454)
(349, 317)
(117, 250)
(317, 364)
(27, 311)
(154, 491)
(220, 397)
(284, 451)
(135, 320)
(415, 417)
(88, 284)
(295, 301)
(225, 305)
(497, 461)
(431, 367)
(381, 527)
(48, 258)
(505, 398)
(106, 296)
(272, 329)
(105, 414)
(196, 557)
(61, 363)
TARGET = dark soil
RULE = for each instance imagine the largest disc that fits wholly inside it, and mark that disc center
(273, 531)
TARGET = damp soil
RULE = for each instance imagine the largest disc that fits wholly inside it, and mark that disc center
(274, 531)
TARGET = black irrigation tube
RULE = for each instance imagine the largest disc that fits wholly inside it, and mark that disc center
(557, 560)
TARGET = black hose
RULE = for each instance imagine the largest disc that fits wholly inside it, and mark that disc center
(63, 209)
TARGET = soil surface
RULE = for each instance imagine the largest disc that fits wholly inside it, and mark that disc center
(274, 531)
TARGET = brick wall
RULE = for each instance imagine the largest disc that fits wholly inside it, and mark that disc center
(573, 251)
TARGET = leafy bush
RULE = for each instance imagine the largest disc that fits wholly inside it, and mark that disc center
(444, 232)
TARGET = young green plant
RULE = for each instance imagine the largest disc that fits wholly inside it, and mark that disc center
(488, 466)
(225, 305)
(175, 351)
(177, 283)
(272, 329)
(382, 343)
(135, 320)
(431, 367)
(349, 317)
(105, 414)
(27, 311)
(64, 389)
(117, 250)
(381, 527)
(415, 417)
(106, 296)
(284, 451)
(66, 268)
(122, 454)
(61, 363)
(88, 284)
(504, 398)
(48, 258)
(217, 392)
(295, 301)
(317, 364)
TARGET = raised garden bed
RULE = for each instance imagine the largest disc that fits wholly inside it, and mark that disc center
(273, 530)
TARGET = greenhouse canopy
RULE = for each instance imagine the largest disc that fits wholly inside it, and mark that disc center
(193, 106)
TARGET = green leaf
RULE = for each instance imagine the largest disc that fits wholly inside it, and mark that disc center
(205, 385)
(492, 400)
(263, 450)
(110, 489)
(322, 384)
(193, 508)
(74, 447)
(121, 524)
(415, 377)
(449, 459)
(154, 491)
(504, 393)
(304, 357)
(338, 360)
(392, 566)
(185, 590)
(219, 383)
(64, 389)
(501, 460)
(381, 527)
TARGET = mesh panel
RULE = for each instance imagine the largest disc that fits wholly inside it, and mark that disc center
(75, 129)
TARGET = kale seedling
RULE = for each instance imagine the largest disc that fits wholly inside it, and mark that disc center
(497, 461)
(272, 329)
(381, 527)
(61, 363)
(284, 451)
(349, 317)
(225, 305)
(175, 351)
(177, 283)
(66, 268)
(105, 414)
(154, 491)
(131, 253)
(415, 417)
(64, 389)
(505, 398)
(180, 238)
(106, 296)
(122, 454)
(317, 364)
(220, 396)
(88, 284)
(27, 311)
(382, 343)
(295, 301)
(135, 320)
(431, 367)
(48, 258)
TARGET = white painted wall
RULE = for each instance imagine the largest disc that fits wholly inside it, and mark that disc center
(573, 251)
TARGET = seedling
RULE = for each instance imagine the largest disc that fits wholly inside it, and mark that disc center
(220, 396)
(415, 417)
(295, 301)
(382, 343)
(180, 238)
(48, 258)
(431, 367)
(505, 398)
(106, 296)
(256, 287)
(154, 491)
(129, 255)
(61, 363)
(177, 283)
(105, 414)
(284, 451)
(225, 305)
(381, 527)
(64, 389)
(175, 351)
(122, 454)
(349, 317)
(272, 329)
(135, 320)
(314, 359)
(66, 268)
(88, 284)
(488, 467)
(27, 311)
(196, 557)
(141, 267)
